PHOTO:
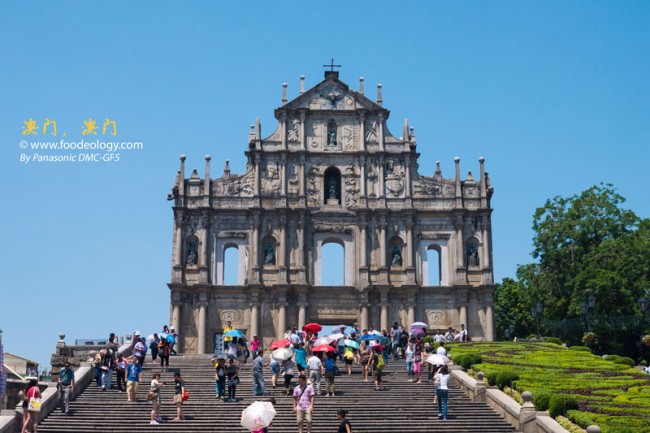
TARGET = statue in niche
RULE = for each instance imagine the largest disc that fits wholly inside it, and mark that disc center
(192, 256)
(331, 189)
(331, 137)
(472, 255)
(269, 255)
(396, 256)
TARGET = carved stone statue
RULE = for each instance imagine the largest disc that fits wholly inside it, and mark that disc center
(331, 189)
(472, 255)
(269, 255)
(396, 256)
(331, 137)
(191, 254)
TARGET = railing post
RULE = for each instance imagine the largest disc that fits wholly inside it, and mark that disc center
(527, 414)
(480, 387)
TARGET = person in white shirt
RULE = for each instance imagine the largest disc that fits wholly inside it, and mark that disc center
(409, 352)
(443, 389)
(463, 333)
(315, 368)
(441, 349)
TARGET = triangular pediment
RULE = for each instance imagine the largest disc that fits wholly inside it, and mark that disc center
(331, 94)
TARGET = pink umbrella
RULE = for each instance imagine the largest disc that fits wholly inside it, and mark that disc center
(323, 348)
(280, 343)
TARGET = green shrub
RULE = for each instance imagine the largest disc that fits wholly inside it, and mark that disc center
(491, 378)
(541, 399)
(580, 348)
(625, 361)
(506, 378)
(560, 404)
(467, 360)
(554, 340)
(583, 419)
(428, 339)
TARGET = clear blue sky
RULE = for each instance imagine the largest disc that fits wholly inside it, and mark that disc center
(555, 96)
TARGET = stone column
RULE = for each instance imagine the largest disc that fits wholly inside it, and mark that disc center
(283, 126)
(178, 241)
(362, 132)
(382, 242)
(410, 248)
(302, 310)
(203, 240)
(384, 310)
(485, 253)
(301, 175)
(410, 315)
(203, 325)
(282, 314)
(364, 315)
(380, 136)
(463, 315)
(489, 321)
(407, 166)
(303, 137)
(176, 315)
(373, 244)
(362, 244)
(283, 175)
(380, 173)
(254, 306)
(282, 249)
(301, 243)
(253, 253)
(460, 252)
(257, 175)
(362, 176)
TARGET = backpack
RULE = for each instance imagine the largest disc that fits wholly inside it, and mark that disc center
(349, 354)
(380, 363)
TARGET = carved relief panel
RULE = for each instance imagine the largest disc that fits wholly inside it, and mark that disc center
(271, 178)
(394, 178)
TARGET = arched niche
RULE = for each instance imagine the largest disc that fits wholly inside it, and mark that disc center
(332, 186)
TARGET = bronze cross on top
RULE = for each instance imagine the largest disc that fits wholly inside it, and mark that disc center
(332, 66)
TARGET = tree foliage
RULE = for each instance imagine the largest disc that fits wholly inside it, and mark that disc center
(587, 244)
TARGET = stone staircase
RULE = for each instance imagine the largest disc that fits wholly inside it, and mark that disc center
(404, 407)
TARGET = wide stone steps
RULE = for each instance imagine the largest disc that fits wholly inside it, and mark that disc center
(403, 407)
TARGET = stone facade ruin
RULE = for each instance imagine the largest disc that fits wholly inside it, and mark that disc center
(331, 172)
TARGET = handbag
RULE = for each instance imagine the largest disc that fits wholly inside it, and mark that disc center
(34, 405)
(185, 396)
(151, 395)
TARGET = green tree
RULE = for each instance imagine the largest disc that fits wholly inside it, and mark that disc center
(567, 232)
(587, 244)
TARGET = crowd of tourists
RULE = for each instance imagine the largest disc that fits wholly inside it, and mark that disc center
(303, 355)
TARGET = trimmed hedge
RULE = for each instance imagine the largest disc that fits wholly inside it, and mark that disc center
(560, 404)
(624, 360)
(541, 400)
(468, 360)
(506, 378)
(580, 348)
(554, 340)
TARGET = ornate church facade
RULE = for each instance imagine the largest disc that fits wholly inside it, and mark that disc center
(415, 247)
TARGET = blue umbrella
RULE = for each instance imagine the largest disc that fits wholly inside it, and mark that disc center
(170, 338)
(368, 337)
(234, 333)
(351, 343)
